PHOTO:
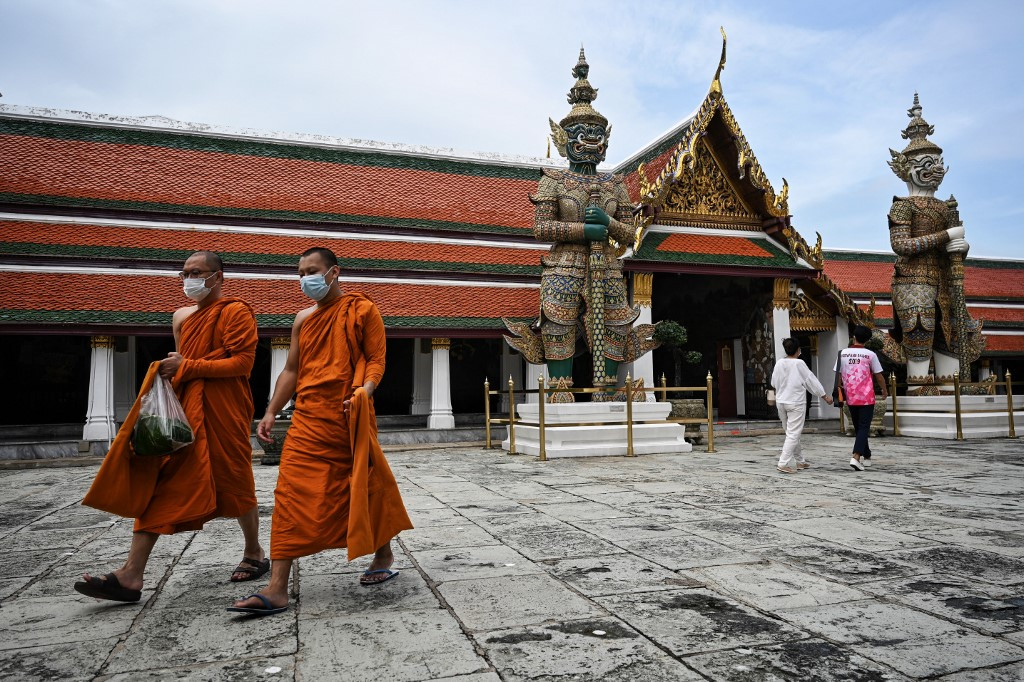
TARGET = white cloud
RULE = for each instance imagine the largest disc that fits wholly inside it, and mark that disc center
(820, 89)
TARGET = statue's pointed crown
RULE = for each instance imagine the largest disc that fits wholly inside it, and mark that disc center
(581, 95)
(918, 131)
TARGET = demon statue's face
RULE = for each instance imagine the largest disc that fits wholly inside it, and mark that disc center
(587, 143)
(926, 171)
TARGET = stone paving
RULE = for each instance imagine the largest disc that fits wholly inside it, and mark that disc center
(685, 567)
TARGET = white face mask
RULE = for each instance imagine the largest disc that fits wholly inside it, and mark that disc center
(196, 288)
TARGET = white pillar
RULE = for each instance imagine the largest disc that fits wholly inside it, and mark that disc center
(99, 420)
(279, 347)
(984, 370)
(780, 316)
(441, 416)
(511, 365)
(829, 345)
(816, 403)
(533, 373)
(124, 380)
(643, 291)
(422, 371)
(737, 365)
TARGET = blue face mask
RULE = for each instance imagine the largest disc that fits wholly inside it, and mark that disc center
(315, 286)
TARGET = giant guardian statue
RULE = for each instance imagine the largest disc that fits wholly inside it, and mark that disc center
(589, 217)
(930, 318)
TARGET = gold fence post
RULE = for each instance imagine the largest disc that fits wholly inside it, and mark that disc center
(956, 401)
(487, 413)
(541, 399)
(895, 416)
(711, 418)
(511, 416)
(664, 388)
(1009, 403)
(629, 416)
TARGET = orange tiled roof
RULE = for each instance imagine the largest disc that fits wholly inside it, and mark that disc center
(994, 317)
(75, 164)
(694, 247)
(107, 298)
(868, 273)
(1005, 343)
(127, 242)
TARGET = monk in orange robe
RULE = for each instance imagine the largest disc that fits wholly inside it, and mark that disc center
(212, 477)
(334, 486)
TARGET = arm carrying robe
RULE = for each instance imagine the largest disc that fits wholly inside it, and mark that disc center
(213, 476)
(334, 486)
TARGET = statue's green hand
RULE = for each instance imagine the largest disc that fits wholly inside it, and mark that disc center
(596, 214)
(595, 232)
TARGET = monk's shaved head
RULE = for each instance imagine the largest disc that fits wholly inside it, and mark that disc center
(213, 260)
(328, 257)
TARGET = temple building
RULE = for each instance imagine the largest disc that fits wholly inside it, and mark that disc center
(98, 213)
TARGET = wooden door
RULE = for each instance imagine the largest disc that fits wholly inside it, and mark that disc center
(726, 384)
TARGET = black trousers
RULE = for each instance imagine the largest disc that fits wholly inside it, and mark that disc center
(861, 416)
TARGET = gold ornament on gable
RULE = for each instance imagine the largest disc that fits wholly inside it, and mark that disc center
(705, 191)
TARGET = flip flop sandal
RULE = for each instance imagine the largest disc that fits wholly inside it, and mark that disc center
(267, 609)
(252, 568)
(367, 583)
(107, 587)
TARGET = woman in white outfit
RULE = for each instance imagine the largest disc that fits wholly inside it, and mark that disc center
(792, 380)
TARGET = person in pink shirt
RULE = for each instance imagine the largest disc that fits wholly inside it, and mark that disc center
(860, 370)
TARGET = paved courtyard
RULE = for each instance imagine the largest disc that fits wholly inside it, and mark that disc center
(686, 567)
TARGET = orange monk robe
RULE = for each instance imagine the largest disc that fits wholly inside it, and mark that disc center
(213, 476)
(334, 486)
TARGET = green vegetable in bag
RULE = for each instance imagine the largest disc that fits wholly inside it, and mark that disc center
(162, 427)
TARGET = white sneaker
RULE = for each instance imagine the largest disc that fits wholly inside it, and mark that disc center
(856, 464)
(865, 461)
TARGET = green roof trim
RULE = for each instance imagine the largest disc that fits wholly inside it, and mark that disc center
(238, 257)
(975, 313)
(285, 149)
(853, 256)
(345, 218)
(778, 258)
(848, 256)
(120, 317)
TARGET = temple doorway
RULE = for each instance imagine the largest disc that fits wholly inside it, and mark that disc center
(726, 380)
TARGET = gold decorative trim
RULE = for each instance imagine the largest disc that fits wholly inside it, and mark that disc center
(713, 222)
(780, 293)
(812, 324)
(706, 190)
(102, 341)
(847, 308)
(798, 248)
(814, 343)
(807, 315)
(280, 342)
(440, 343)
(643, 288)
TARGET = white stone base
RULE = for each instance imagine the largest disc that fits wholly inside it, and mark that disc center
(605, 434)
(982, 416)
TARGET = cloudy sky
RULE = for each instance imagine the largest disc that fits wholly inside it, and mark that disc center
(820, 88)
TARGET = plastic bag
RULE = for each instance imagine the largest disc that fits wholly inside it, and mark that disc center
(162, 427)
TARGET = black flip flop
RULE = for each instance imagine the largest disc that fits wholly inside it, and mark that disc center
(107, 587)
(367, 583)
(252, 568)
(267, 610)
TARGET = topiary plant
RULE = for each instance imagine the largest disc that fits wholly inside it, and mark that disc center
(673, 336)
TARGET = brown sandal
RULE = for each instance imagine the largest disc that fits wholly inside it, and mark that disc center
(252, 569)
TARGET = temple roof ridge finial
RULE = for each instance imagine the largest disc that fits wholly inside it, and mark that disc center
(581, 94)
(716, 84)
(917, 131)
